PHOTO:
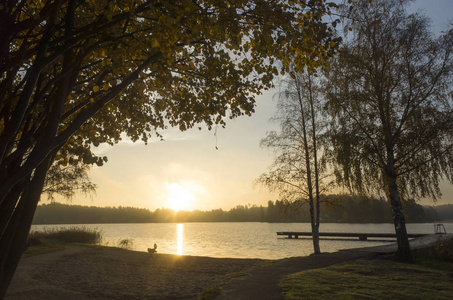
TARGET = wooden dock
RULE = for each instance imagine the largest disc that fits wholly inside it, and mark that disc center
(360, 236)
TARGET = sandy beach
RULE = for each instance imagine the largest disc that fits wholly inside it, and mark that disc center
(80, 272)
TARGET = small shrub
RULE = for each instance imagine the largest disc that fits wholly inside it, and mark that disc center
(210, 293)
(68, 235)
(441, 251)
(125, 243)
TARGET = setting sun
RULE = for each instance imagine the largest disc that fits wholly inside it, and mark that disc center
(180, 197)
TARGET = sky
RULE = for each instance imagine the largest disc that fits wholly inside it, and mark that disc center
(207, 169)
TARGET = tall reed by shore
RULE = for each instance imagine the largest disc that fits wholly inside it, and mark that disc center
(73, 234)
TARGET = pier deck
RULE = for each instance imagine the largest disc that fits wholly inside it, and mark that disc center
(360, 236)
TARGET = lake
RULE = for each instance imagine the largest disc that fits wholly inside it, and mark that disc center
(238, 240)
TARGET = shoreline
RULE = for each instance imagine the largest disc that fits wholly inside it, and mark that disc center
(236, 240)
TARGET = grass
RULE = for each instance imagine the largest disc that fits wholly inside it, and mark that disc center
(44, 247)
(50, 240)
(429, 277)
(212, 292)
(72, 234)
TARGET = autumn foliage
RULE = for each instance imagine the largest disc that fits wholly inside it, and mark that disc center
(75, 74)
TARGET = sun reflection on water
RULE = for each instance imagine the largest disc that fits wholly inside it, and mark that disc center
(179, 238)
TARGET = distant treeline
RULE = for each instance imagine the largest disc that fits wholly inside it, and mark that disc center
(445, 212)
(344, 209)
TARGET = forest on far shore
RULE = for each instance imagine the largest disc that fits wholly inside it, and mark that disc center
(337, 209)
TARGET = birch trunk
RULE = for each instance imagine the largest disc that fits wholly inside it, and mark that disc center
(404, 252)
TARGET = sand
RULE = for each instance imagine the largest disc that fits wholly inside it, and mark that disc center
(80, 272)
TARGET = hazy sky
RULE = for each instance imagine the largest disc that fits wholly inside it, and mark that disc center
(187, 172)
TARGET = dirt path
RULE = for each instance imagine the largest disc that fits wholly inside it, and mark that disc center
(263, 283)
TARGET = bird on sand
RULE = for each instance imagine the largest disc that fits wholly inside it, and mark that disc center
(152, 250)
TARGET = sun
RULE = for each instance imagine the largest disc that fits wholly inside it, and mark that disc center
(180, 197)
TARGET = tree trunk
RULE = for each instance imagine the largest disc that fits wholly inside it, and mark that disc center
(404, 251)
(14, 238)
(315, 237)
(315, 161)
(315, 226)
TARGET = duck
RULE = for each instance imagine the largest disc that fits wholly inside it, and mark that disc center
(152, 250)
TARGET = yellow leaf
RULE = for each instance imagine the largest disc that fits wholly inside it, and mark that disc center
(105, 86)
(91, 100)
(95, 88)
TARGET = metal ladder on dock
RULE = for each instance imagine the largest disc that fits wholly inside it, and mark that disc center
(439, 228)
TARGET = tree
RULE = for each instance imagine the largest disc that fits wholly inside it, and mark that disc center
(390, 92)
(67, 180)
(297, 172)
(75, 74)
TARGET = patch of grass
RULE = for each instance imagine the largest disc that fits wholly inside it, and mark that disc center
(381, 280)
(431, 276)
(212, 292)
(442, 251)
(44, 247)
(50, 240)
(72, 234)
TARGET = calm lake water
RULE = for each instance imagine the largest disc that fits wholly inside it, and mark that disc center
(238, 240)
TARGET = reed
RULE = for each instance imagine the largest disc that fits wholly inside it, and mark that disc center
(73, 234)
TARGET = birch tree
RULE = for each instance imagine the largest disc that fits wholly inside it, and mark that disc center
(298, 172)
(390, 93)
